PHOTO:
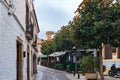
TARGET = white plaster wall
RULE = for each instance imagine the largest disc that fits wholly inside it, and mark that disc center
(30, 3)
(9, 30)
(0, 23)
(20, 10)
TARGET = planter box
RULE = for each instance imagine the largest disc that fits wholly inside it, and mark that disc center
(91, 76)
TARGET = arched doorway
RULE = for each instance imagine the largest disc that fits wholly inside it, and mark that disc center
(34, 64)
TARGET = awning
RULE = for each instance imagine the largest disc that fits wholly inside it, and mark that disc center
(43, 56)
(56, 54)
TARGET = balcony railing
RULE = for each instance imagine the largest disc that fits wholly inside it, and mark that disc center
(35, 43)
(29, 32)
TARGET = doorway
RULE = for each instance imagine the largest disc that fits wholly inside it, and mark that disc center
(28, 62)
(34, 64)
(118, 52)
(19, 59)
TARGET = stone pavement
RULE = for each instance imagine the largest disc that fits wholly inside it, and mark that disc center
(71, 77)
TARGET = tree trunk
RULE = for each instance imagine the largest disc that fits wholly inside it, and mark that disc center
(101, 65)
(47, 60)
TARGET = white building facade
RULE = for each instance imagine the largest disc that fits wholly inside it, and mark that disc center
(17, 51)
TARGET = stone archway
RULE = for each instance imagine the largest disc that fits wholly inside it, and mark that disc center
(34, 64)
(19, 59)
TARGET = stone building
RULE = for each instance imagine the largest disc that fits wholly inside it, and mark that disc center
(18, 39)
(110, 55)
(49, 35)
(40, 41)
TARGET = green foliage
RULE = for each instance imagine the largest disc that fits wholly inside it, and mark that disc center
(48, 47)
(88, 64)
(70, 67)
(63, 40)
(59, 66)
(98, 23)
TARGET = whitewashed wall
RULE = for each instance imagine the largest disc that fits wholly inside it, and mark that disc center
(9, 30)
(20, 10)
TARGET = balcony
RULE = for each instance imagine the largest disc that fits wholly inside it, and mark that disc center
(35, 43)
(29, 32)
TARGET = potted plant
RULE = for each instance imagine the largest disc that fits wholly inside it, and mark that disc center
(88, 66)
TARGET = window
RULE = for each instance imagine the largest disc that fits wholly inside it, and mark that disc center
(113, 49)
(119, 52)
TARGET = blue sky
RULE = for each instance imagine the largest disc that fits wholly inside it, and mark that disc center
(53, 14)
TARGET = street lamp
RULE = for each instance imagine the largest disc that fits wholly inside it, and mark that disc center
(74, 59)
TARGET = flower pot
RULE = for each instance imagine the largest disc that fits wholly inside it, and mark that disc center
(91, 75)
